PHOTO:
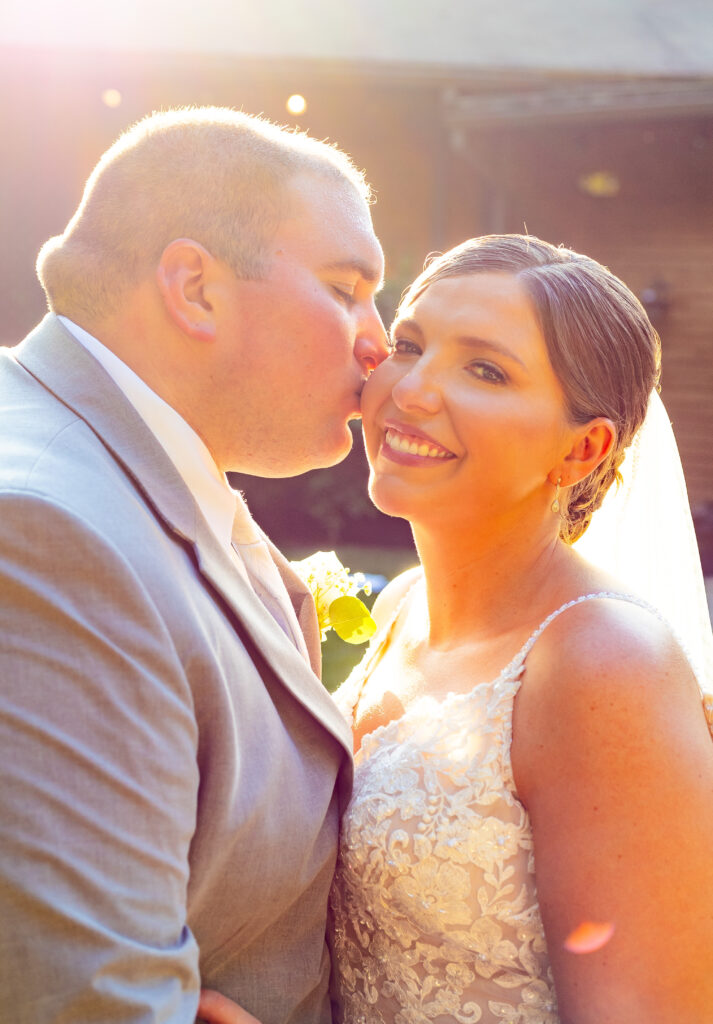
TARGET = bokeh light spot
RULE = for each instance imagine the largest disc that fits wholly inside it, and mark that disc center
(600, 184)
(296, 104)
(111, 98)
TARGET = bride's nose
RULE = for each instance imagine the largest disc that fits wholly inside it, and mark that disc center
(417, 390)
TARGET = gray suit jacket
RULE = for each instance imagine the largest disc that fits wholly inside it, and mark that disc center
(171, 770)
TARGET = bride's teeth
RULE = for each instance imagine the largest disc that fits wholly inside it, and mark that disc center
(401, 443)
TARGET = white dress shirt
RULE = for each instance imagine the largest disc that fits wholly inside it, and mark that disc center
(223, 508)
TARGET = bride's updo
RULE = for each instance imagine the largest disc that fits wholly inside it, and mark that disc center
(602, 346)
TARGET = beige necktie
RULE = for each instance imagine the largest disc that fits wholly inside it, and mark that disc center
(254, 561)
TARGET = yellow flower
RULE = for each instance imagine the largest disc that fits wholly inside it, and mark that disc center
(334, 591)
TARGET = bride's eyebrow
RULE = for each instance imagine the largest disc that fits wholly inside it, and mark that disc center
(490, 346)
(467, 340)
(410, 325)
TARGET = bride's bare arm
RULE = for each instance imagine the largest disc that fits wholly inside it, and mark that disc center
(614, 761)
(215, 1008)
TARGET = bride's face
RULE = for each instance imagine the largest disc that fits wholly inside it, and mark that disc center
(466, 417)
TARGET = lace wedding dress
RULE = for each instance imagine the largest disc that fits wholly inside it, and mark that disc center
(434, 908)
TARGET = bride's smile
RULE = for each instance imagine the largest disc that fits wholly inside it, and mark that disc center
(407, 445)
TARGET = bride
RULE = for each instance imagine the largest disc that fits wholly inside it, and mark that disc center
(530, 837)
(531, 751)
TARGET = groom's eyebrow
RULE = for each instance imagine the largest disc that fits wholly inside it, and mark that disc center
(370, 274)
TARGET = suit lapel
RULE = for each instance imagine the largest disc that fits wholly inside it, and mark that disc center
(303, 604)
(53, 356)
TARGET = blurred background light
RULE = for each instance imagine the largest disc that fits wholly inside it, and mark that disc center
(296, 104)
(111, 98)
(600, 184)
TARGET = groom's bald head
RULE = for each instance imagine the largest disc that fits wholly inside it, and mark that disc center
(214, 175)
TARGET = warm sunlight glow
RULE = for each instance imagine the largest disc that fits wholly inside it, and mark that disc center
(296, 104)
(111, 98)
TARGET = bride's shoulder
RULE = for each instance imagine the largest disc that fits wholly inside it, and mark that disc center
(393, 594)
(605, 680)
(606, 660)
(610, 639)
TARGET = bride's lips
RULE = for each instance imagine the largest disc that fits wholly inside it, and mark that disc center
(410, 446)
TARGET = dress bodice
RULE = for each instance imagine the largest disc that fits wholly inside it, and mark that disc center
(434, 907)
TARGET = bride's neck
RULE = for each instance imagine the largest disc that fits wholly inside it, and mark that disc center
(485, 585)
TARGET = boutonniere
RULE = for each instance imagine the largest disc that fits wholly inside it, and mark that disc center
(334, 591)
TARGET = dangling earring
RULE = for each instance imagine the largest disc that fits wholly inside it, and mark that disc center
(555, 506)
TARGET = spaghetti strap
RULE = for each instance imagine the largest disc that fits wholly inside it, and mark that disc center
(518, 661)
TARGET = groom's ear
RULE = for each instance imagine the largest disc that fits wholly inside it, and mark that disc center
(592, 443)
(184, 276)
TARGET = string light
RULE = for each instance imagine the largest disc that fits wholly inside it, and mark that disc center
(111, 98)
(296, 104)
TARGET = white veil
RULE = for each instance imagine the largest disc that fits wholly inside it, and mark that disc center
(643, 535)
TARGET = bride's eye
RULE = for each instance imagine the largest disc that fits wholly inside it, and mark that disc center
(404, 347)
(488, 372)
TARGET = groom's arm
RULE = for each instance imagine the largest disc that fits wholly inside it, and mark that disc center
(98, 782)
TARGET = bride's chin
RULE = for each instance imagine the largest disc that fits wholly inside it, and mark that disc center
(388, 498)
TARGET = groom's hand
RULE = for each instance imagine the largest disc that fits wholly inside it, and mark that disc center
(213, 1008)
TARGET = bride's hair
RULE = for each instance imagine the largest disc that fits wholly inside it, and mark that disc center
(601, 344)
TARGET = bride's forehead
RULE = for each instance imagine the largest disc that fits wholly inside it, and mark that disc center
(482, 287)
(496, 301)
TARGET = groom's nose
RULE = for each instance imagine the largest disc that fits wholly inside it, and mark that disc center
(370, 347)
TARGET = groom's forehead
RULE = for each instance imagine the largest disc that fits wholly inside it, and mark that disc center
(329, 223)
(322, 202)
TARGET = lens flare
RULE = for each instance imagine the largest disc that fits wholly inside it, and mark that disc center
(589, 936)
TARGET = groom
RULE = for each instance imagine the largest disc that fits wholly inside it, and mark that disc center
(171, 769)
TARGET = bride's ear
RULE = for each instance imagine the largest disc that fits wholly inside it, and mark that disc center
(592, 443)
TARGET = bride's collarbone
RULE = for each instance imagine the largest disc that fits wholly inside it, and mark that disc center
(404, 675)
(411, 669)
(463, 661)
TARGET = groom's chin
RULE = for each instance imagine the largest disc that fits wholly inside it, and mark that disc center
(312, 458)
(336, 454)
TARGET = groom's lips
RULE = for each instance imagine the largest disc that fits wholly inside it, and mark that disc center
(356, 410)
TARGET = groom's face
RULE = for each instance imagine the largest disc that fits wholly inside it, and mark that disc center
(304, 337)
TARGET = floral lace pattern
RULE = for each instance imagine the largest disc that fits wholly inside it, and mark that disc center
(435, 916)
(434, 907)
